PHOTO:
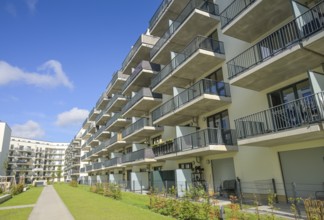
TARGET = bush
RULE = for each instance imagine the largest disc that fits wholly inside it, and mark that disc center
(73, 183)
(112, 190)
(17, 189)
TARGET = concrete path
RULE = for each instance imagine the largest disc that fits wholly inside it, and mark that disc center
(49, 206)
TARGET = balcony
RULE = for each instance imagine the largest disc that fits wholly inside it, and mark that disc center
(140, 77)
(117, 122)
(93, 114)
(116, 142)
(203, 142)
(116, 103)
(86, 157)
(168, 10)
(102, 101)
(197, 18)
(292, 122)
(140, 51)
(265, 64)
(82, 170)
(139, 157)
(116, 83)
(140, 130)
(141, 103)
(86, 123)
(112, 163)
(204, 96)
(201, 55)
(92, 142)
(88, 168)
(248, 20)
(103, 117)
(102, 134)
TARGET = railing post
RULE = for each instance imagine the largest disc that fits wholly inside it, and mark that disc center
(133, 185)
(275, 190)
(239, 191)
(141, 186)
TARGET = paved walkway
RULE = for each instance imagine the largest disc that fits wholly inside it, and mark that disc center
(49, 206)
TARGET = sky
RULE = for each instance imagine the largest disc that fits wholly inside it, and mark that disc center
(58, 56)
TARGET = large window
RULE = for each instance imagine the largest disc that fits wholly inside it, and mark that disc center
(219, 120)
(290, 93)
(218, 87)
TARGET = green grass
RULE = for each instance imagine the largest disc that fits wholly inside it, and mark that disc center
(26, 198)
(15, 214)
(84, 204)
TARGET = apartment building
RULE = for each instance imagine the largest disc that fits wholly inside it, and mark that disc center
(72, 160)
(223, 94)
(36, 160)
(5, 133)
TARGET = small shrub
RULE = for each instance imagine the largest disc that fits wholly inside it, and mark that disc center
(73, 183)
(112, 190)
(17, 189)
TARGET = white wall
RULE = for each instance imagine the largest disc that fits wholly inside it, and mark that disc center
(5, 134)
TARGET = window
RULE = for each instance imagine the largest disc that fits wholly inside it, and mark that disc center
(185, 165)
(159, 168)
(157, 139)
(216, 85)
(219, 120)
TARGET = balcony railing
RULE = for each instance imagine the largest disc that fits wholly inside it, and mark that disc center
(112, 162)
(113, 119)
(204, 86)
(143, 65)
(102, 97)
(191, 6)
(88, 168)
(145, 92)
(292, 33)
(139, 124)
(97, 166)
(116, 76)
(163, 6)
(145, 39)
(196, 44)
(196, 140)
(143, 154)
(113, 100)
(290, 115)
(82, 170)
(233, 10)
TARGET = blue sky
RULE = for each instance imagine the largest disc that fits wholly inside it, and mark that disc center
(57, 57)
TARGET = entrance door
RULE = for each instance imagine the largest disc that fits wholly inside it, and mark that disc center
(223, 169)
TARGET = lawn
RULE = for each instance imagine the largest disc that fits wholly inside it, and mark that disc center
(84, 204)
(26, 198)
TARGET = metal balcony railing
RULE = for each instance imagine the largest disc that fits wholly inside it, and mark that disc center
(82, 170)
(233, 10)
(104, 111)
(143, 154)
(199, 42)
(294, 114)
(199, 139)
(190, 7)
(112, 162)
(88, 168)
(97, 166)
(102, 97)
(143, 39)
(139, 124)
(113, 100)
(117, 75)
(204, 86)
(161, 9)
(293, 32)
(144, 65)
(144, 92)
(113, 119)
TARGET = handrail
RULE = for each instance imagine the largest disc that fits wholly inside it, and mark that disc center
(291, 33)
(303, 111)
(161, 9)
(204, 86)
(197, 43)
(190, 7)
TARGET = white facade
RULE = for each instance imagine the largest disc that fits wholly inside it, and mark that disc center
(36, 160)
(5, 134)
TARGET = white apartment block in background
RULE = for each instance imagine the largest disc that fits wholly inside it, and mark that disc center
(223, 94)
(36, 160)
(5, 134)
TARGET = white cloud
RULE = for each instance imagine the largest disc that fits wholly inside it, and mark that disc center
(50, 75)
(30, 129)
(31, 5)
(75, 116)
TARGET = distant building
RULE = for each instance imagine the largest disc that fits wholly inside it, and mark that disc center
(5, 133)
(36, 160)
